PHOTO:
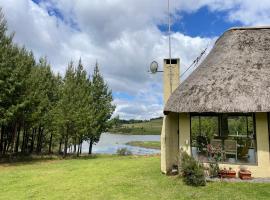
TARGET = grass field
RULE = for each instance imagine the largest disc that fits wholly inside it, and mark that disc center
(152, 127)
(111, 177)
(145, 144)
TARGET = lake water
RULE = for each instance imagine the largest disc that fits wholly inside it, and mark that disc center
(109, 143)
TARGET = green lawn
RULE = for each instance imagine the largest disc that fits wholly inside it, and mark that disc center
(111, 177)
(146, 144)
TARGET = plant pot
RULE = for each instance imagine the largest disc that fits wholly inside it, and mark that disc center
(245, 175)
(231, 174)
(222, 174)
(227, 174)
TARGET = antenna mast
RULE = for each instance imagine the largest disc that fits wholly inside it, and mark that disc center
(169, 30)
(170, 51)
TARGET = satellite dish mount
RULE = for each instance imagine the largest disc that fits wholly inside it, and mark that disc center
(154, 67)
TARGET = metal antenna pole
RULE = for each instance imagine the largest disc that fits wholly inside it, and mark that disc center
(169, 31)
(170, 51)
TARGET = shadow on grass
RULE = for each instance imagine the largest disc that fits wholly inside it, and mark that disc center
(19, 159)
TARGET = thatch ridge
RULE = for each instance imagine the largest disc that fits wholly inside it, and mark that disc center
(234, 77)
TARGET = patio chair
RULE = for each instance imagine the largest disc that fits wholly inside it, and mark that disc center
(244, 152)
(230, 148)
(216, 143)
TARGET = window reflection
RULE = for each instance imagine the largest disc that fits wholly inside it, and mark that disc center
(225, 138)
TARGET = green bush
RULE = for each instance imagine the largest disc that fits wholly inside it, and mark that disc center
(192, 171)
(123, 152)
(213, 170)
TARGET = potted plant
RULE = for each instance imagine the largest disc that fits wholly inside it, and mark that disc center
(224, 173)
(215, 153)
(244, 174)
(231, 173)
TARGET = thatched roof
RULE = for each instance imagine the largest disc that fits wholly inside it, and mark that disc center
(234, 77)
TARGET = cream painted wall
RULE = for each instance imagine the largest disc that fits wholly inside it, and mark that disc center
(184, 133)
(169, 142)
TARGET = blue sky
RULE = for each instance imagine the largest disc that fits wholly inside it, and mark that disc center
(125, 36)
(203, 23)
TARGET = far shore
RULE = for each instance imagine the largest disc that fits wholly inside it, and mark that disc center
(133, 133)
(145, 144)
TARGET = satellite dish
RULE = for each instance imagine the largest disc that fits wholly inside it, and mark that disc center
(154, 67)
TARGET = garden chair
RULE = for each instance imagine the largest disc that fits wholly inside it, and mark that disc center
(216, 143)
(230, 148)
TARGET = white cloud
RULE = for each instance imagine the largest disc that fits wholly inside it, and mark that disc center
(247, 12)
(122, 35)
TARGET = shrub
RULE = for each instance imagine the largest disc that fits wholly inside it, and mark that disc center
(123, 152)
(192, 171)
(213, 169)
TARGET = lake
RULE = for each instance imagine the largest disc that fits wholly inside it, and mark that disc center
(109, 143)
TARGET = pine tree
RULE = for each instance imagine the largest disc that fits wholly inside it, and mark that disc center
(102, 107)
(16, 64)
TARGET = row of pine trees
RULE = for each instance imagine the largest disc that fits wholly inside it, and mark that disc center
(41, 112)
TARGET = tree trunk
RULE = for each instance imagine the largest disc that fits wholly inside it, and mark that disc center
(78, 149)
(65, 146)
(81, 146)
(27, 141)
(74, 149)
(39, 140)
(9, 134)
(5, 144)
(90, 147)
(2, 140)
(60, 146)
(13, 137)
(66, 143)
(23, 142)
(33, 140)
(50, 145)
(18, 140)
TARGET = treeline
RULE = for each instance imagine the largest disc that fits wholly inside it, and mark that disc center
(41, 112)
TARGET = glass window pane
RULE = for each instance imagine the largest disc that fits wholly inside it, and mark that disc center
(239, 146)
(225, 138)
(203, 130)
(237, 125)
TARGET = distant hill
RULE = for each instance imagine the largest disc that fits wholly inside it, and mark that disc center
(138, 127)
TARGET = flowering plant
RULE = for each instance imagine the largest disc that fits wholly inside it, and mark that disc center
(215, 152)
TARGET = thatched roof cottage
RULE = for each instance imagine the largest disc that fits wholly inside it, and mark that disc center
(223, 105)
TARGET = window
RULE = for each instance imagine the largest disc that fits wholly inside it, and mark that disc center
(225, 137)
